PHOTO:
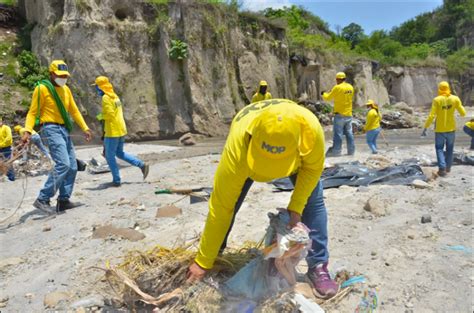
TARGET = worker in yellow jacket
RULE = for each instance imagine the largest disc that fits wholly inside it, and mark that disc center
(115, 131)
(270, 139)
(372, 125)
(51, 107)
(469, 129)
(342, 94)
(442, 109)
(6, 142)
(262, 92)
(35, 138)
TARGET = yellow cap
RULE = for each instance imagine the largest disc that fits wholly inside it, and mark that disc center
(372, 104)
(341, 75)
(59, 68)
(274, 147)
(263, 83)
(17, 128)
(443, 89)
(104, 84)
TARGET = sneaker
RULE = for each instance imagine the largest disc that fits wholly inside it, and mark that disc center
(145, 169)
(44, 206)
(64, 204)
(323, 286)
(448, 170)
(442, 172)
(331, 153)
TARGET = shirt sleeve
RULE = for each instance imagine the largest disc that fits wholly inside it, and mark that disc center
(432, 115)
(460, 107)
(228, 184)
(31, 116)
(76, 114)
(330, 95)
(108, 108)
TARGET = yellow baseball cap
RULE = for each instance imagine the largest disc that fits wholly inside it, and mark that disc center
(341, 75)
(59, 68)
(274, 147)
(263, 83)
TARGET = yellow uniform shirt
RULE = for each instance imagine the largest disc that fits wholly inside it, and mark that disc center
(470, 124)
(112, 114)
(233, 171)
(259, 97)
(373, 120)
(6, 139)
(442, 109)
(49, 112)
(342, 95)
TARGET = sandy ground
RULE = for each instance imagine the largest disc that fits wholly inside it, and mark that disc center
(410, 264)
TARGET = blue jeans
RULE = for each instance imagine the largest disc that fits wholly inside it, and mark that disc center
(342, 125)
(36, 139)
(65, 168)
(314, 217)
(445, 158)
(470, 132)
(371, 136)
(6, 154)
(114, 148)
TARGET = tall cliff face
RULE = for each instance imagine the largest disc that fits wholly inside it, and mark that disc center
(129, 40)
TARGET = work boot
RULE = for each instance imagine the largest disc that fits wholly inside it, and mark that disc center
(323, 286)
(331, 153)
(65, 204)
(145, 169)
(442, 172)
(448, 170)
(44, 206)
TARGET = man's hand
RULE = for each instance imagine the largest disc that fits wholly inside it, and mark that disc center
(295, 218)
(88, 135)
(25, 138)
(423, 134)
(195, 273)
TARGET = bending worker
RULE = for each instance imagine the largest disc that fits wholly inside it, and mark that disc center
(469, 130)
(442, 109)
(35, 138)
(115, 131)
(342, 95)
(262, 92)
(51, 104)
(270, 139)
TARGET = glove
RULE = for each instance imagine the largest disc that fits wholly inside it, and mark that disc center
(423, 134)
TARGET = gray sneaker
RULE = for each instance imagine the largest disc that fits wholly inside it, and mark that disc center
(145, 169)
(44, 206)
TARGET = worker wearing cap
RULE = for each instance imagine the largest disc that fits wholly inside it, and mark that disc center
(270, 139)
(469, 130)
(115, 131)
(342, 95)
(55, 127)
(442, 109)
(262, 92)
(35, 138)
(372, 125)
(6, 142)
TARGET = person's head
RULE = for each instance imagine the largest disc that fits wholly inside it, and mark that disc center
(443, 89)
(262, 87)
(371, 104)
(17, 128)
(276, 142)
(103, 86)
(59, 72)
(340, 77)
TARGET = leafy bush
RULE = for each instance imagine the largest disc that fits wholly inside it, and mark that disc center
(460, 61)
(178, 50)
(30, 69)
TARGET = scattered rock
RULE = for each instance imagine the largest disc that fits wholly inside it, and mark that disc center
(168, 211)
(409, 305)
(419, 184)
(89, 301)
(46, 228)
(375, 206)
(3, 302)
(402, 106)
(110, 230)
(426, 218)
(430, 173)
(10, 262)
(51, 300)
(411, 236)
(187, 140)
(373, 253)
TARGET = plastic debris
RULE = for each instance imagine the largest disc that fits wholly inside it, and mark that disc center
(459, 248)
(368, 303)
(353, 280)
(306, 305)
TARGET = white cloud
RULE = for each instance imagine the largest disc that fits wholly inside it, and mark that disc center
(257, 5)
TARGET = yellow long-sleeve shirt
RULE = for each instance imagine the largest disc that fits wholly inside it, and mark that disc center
(6, 139)
(49, 112)
(259, 97)
(233, 171)
(442, 109)
(112, 114)
(373, 120)
(342, 95)
(22, 131)
(470, 124)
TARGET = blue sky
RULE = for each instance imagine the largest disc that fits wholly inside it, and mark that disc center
(370, 14)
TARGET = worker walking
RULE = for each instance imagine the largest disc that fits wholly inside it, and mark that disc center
(35, 139)
(51, 106)
(270, 139)
(115, 131)
(372, 125)
(469, 129)
(442, 109)
(262, 92)
(6, 142)
(342, 94)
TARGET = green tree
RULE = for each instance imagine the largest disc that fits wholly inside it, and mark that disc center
(354, 33)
